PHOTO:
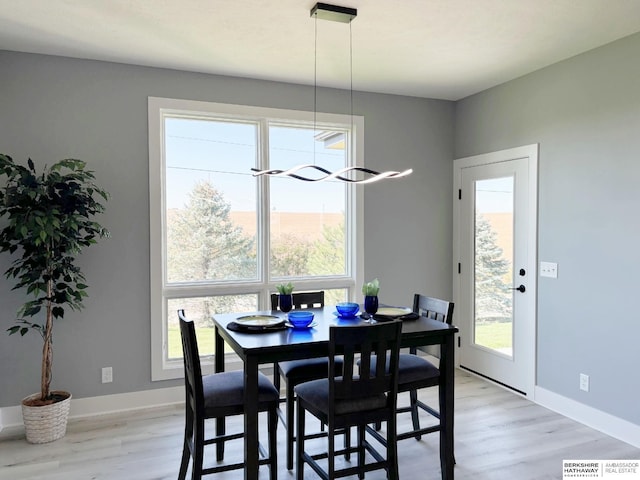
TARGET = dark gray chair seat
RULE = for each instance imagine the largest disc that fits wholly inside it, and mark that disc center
(412, 368)
(226, 390)
(316, 394)
(304, 369)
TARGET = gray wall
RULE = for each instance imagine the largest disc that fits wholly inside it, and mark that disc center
(53, 108)
(585, 114)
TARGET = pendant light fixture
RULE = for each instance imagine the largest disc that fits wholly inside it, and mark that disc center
(334, 13)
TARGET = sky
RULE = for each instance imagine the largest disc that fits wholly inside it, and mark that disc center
(494, 195)
(223, 153)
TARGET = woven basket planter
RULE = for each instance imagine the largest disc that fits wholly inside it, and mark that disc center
(46, 423)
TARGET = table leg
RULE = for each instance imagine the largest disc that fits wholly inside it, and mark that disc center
(251, 419)
(219, 351)
(219, 367)
(447, 380)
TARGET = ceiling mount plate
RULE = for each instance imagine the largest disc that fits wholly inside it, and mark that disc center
(334, 13)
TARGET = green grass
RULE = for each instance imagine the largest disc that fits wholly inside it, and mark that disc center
(205, 341)
(494, 335)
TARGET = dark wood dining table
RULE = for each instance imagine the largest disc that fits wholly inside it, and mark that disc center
(255, 349)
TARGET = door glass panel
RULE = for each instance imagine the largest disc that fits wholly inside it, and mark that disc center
(493, 253)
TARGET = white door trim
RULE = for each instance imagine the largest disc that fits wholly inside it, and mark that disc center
(531, 152)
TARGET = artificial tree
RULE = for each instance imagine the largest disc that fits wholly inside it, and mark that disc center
(48, 222)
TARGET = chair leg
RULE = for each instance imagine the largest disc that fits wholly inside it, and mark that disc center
(198, 450)
(331, 465)
(361, 432)
(300, 442)
(186, 450)
(220, 430)
(290, 424)
(392, 450)
(273, 442)
(184, 463)
(413, 395)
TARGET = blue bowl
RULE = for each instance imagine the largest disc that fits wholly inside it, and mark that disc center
(347, 309)
(300, 319)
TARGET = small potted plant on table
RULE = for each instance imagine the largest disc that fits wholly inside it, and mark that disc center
(285, 297)
(48, 222)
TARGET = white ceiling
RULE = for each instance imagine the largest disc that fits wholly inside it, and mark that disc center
(444, 49)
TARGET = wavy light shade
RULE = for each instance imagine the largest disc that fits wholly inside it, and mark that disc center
(372, 175)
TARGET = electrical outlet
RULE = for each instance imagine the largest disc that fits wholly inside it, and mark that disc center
(549, 269)
(107, 375)
(584, 382)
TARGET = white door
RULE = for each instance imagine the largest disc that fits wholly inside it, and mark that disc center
(495, 252)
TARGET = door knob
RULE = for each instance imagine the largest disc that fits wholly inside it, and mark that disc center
(520, 288)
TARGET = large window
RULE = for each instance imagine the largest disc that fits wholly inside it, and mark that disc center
(222, 239)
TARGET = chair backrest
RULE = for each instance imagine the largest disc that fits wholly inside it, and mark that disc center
(302, 300)
(433, 308)
(192, 369)
(381, 340)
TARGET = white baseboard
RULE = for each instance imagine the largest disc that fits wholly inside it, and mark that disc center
(606, 423)
(11, 417)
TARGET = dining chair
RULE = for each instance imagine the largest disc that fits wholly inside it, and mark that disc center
(218, 396)
(344, 401)
(295, 372)
(416, 372)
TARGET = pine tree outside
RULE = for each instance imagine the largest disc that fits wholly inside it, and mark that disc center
(493, 275)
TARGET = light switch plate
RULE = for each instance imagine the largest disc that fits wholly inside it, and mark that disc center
(549, 269)
(584, 382)
(107, 375)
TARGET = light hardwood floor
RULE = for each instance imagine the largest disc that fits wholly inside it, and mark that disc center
(499, 435)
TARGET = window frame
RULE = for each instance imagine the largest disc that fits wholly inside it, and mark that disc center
(160, 291)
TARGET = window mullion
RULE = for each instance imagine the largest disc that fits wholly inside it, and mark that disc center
(264, 224)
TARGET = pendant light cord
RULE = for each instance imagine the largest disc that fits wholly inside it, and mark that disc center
(351, 136)
(315, 87)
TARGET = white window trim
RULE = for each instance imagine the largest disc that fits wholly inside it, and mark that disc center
(157, 109)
